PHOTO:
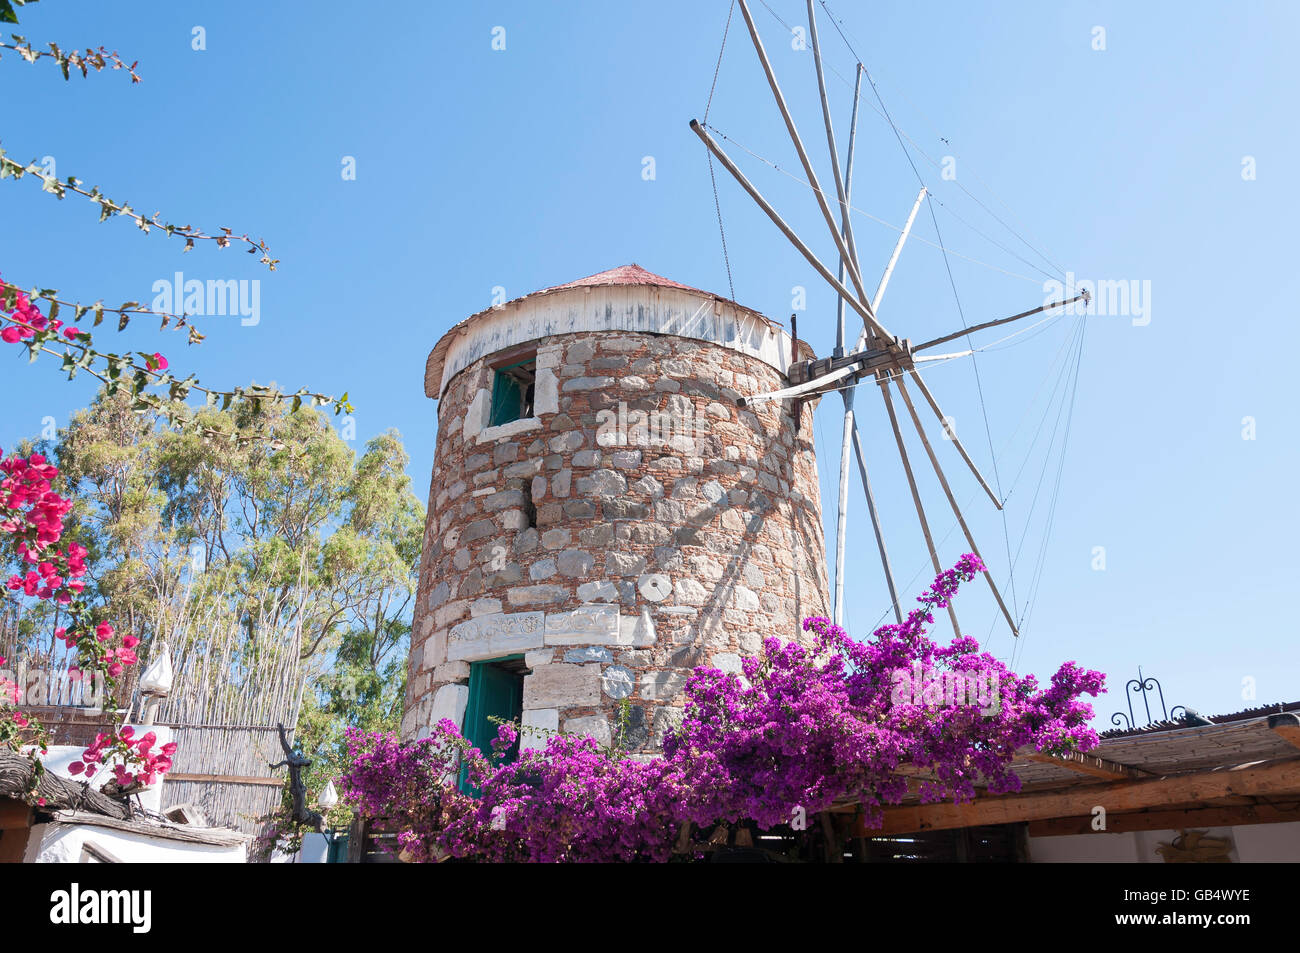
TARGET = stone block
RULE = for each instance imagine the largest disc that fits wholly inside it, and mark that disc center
(445, 615)
(624, 564)
(590, 624)
(449, 702)
(726, 662)
(574, 562)
(602, 483)
(502, 633)
(536, 595)
(537, 726)
(617, 682)
(588, 383)
(601, 591)
(546, 392)
(662, 685)
(562, 686)
(538, 657)
(595, 726)
(589, 653)
(451, 672)
(636, 630)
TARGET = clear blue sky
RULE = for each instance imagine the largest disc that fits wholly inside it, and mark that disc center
(523, 168)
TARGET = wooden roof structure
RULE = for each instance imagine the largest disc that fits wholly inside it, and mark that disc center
(1243, 769)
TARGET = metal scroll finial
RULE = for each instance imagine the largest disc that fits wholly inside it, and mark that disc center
(1142, 685)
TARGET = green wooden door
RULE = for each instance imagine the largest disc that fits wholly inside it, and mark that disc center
(494, 692)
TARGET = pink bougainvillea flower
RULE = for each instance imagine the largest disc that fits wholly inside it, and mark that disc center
(10, 335)
(71, 333)
(155, 362)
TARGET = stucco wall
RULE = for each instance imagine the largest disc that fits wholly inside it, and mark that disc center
(1251, 844)
(62, 844)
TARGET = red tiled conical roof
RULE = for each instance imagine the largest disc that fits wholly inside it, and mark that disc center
(632, 274)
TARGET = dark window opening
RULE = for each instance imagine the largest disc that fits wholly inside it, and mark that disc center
(530, 508)
(512, 392)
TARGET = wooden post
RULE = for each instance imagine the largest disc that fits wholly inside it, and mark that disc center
(845, 189)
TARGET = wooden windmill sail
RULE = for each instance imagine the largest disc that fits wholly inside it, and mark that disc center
(878, 354)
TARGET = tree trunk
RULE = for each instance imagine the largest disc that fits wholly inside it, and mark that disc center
(58, 793)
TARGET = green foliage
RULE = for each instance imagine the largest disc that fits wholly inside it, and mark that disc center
(7, 12)
(180, 526)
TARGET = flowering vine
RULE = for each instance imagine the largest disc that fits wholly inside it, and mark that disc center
(804, 728)
(22, 322)
(59, 188)
(31, 529)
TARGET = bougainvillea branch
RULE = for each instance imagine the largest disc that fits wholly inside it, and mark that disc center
(804, 729)
(21, 322)
(71, 60)
(96, 311)
(108, 207)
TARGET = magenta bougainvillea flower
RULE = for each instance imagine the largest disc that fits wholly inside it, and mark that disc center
(804, 728)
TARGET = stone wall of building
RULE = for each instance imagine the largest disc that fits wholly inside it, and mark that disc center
(639, 525)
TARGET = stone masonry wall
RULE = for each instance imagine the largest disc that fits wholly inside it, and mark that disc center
(659, 542)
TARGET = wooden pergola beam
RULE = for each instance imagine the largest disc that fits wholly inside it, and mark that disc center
(1216, 815)
(1257, 779)
(1086, 764)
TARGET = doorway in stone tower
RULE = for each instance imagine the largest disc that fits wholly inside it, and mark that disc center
(496, 694)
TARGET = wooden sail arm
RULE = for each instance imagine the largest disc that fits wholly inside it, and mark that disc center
(840, 243)
(1083, 296)
(857, 305)
(951, 435)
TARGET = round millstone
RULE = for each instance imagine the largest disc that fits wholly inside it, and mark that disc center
(655, 586)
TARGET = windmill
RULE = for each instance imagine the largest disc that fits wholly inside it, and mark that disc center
(888, 360)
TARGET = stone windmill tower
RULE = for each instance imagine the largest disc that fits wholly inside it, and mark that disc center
(603, 514)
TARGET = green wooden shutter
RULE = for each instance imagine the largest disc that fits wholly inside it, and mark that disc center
(505, 400)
